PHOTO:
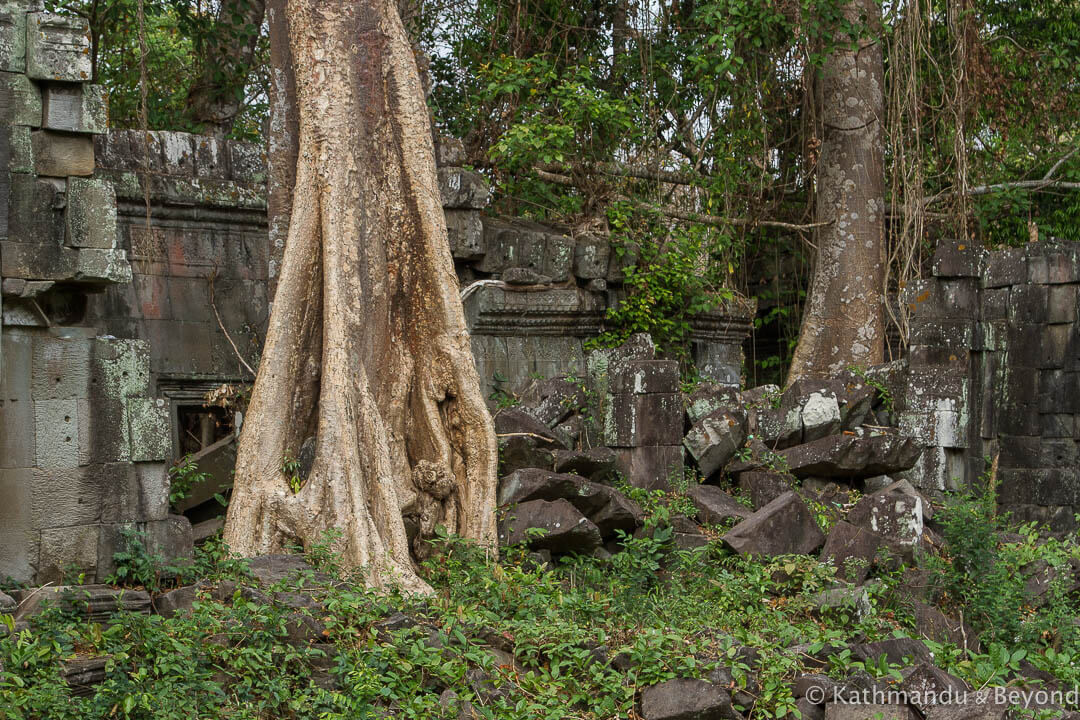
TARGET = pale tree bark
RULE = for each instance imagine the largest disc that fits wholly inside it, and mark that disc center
(844, 319)
(367, 350)
(216, 98)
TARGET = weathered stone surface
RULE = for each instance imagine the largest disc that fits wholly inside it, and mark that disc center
(933, 624)
(290, 569)
(552, 401)
(640, 377)
(820, 415)
(644, 420)
(175, 601)
(466, 233)
(465, 189)
(606, 507)
(591, 257)
(524, 277)
(516, 423)
(567, 530)
(94, 602)
(13, 38)
(170, 538)
(716, 507)
(686, 699)
(25, 97)
(91, 213)
(851, 600)
(895, 513)
(764, 486)
(82, 108)
(778, 427)
(899, 651)
(149, 423)
(708, 398)
(521, 243)
(926, 682)
(57, 155)
(852, 456)
(58, 47)
(715, 439)
(651, 468)
(851, 550)
(596, 463)
(783, 527)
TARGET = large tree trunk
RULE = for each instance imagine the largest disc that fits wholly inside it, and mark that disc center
(367, 350)
(844, 320)
(216, 98)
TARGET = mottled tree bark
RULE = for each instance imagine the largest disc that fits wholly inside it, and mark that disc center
(844, 321)
(216, 98)
(367, 358)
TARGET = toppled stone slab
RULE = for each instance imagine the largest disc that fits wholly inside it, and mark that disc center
(96, 602)
(567, 530)
(686, 699)
(783, 527)
(716, 507)
(852, 456)
(605, 506)
(895, 513)
(715, 439)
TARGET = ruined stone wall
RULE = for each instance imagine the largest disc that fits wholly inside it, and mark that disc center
(131, 264)
(994, 371)
(83, 438)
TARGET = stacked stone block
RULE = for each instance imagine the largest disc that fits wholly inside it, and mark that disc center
(995, 372)
(640, 411)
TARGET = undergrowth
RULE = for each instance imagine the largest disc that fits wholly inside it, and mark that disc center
(662, 612)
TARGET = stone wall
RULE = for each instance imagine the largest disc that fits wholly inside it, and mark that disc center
(994, 372)
(83, 438)
(131, 264)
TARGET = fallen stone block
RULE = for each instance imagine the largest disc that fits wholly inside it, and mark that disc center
(553, 401)
(764, 486)
(686, 699)
(926, 685)
(852, 456)
(605, 506)
(511, 423)
(783, 527)
(594, 463)
(852, 551)
(716, 507)
(95, 602)
(82, 674)
(895, 513)
(715, 439)
(567, 530)
(708, 398)
(898, 651)
(845, 599)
